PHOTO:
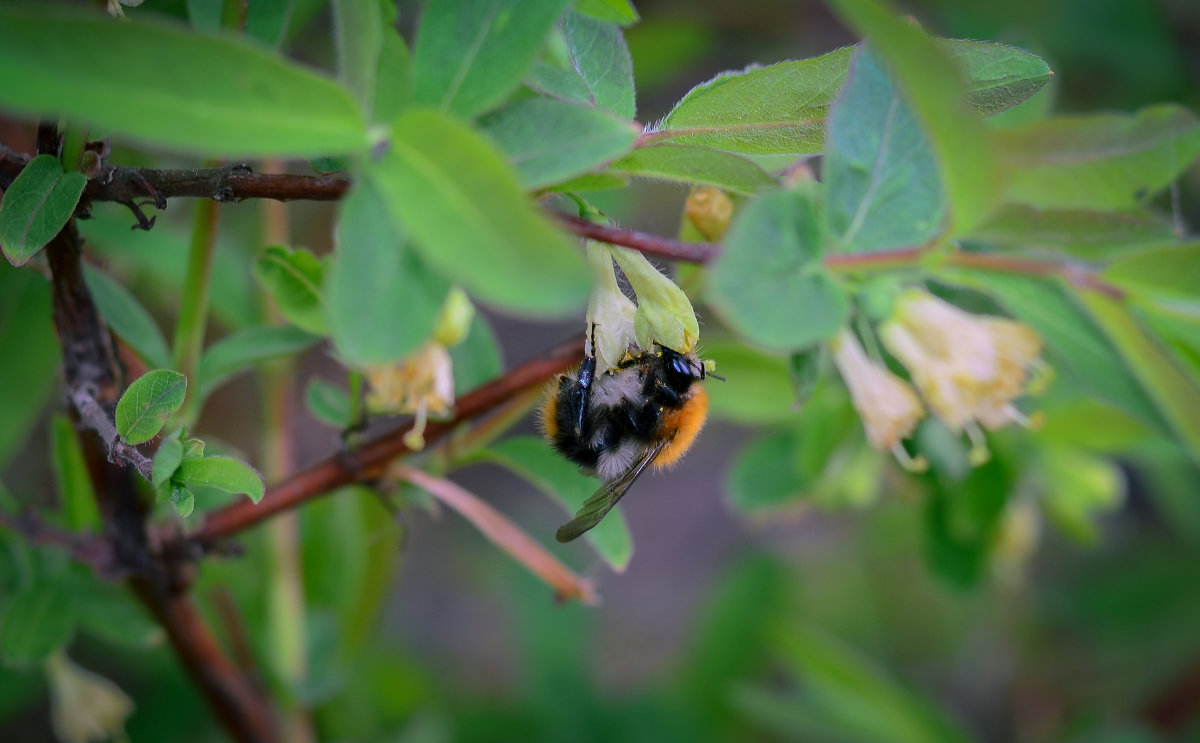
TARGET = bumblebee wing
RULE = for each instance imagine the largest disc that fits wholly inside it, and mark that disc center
(594, 509)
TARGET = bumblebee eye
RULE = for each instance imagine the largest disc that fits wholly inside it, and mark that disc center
(681, 367)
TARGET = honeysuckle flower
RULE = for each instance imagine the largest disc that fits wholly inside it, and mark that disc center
(115, 9)
(84, 706)
(888, 405)
(422, 385)
(609, 313)
(710, 210)
(969, 368)
(664, 314)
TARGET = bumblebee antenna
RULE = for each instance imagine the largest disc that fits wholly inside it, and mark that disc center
(715, 376)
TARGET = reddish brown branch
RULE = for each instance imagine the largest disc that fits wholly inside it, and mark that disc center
(663, 247)
(368, 461)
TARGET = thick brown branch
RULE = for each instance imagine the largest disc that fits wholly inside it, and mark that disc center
(368, 461)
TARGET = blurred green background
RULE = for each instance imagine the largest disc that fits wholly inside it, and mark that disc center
(836, 619)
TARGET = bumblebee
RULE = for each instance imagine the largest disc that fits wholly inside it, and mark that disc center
(645, 412)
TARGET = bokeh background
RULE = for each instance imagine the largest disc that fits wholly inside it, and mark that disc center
(813, 623)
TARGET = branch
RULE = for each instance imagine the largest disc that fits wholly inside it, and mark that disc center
(91, 551)
(663, 247)
(369, 461)
(98, 419)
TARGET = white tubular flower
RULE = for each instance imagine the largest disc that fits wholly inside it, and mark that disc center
(422, 384)
(609, 313)
(84, 706)
(888, 405)
(664, 313)
(969, 368)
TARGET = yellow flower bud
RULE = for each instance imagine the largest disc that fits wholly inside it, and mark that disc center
(454, 318)
(888, 405)
(710, 210)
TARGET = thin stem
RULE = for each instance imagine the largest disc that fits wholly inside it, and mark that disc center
(193, 308)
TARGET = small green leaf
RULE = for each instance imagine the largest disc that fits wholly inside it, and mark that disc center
(39, 619)
(167, 458)
(549, 141)
(267, 20)
(471, 221)
(145, 407)
(534, 460)
(691, 164)
(997, 76)
(197, 93)
(764, 475)
(1099, 161)
(38, 203)
(477, 359)
(558, 82)
(620, 12)
(328, 403)
(961, 522)
(247, 348)
(127, 318)
(1076, 489)
(882, 184)
(780, 108)
(769, 283)
(601, 59)
(193, 448)
(293, 277)
(223, 473)
(757, 386)
(383, 299)
(470, 54)
(358, 36)
(29, 354)
(182, 500)
(71, 474)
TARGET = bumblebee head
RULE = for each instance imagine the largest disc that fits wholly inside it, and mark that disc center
(680, 371)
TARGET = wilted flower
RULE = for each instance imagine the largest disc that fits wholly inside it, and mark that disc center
(84, 706)
(422, 384)
(969, 368)
(888, 405)
(609, 313)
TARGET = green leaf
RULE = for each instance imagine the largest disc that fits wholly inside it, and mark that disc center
(383, 300)
(38, 203)
(470, 220)
(601, 59)
(1074, 344)
(478, 358)
(127, 318)
(937, 92)
(881, 180)
(558, 82)
(247, 348)
(1167, 273)
(997, 76)
(769, 283)
(167, 458)
(961, 522)
(393, 81)
(764, 475)
(267, 20)
(1076, 489)
(549, 141)
(358, 36)
(39, 619)
(1176, 394)
(470, 54)
(780, 108)
(690, 164)
(1099, 161)
(72, 476)
(534, 460)
(205, 15)
(757, 387)
(182, 500)
(223, 473)
(145, 407)
(328, 403)
(293, 278)
(207, 95)
(29, 355)
(620, 12)
(1081, 233)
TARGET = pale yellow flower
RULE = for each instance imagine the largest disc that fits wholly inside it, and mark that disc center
(609, 313)
(664, 314)
(969, 368)
(888, 405)
(421, 385)
(84, 706)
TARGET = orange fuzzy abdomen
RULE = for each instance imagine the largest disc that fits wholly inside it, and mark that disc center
(687, 422)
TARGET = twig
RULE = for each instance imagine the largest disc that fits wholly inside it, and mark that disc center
(663, 247)
(94, 552)
(368, 461)
(99, 420)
